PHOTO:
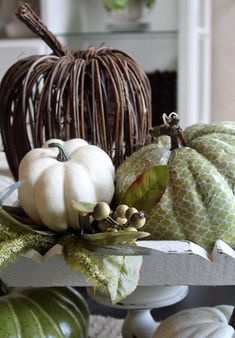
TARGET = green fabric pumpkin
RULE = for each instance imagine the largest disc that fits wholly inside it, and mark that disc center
(43, 313)
(186, 190)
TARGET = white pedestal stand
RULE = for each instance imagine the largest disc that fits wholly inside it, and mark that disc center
(139, 322)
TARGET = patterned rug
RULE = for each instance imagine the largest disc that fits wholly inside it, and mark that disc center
(105, 327)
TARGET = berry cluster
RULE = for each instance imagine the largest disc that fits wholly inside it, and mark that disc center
(124, 218)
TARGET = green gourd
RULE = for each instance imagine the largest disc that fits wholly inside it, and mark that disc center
(186, 188)
(57, 312)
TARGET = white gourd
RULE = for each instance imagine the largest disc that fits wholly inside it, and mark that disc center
(202, 322)
(52, 181)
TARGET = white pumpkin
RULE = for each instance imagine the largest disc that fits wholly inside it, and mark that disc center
(62, 172)
(202, 322)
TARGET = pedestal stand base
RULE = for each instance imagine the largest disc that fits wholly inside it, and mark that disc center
(139, 322)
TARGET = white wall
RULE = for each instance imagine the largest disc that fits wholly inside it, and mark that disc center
(154, 51)
(90, 15)
(223, 60)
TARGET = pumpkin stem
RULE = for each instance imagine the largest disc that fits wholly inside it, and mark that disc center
(4, 289)
(232, 319)
(171, 128)
(63, 155)
(26, 14)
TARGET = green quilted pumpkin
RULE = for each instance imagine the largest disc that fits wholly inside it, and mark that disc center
(43, 313)
(186, 190)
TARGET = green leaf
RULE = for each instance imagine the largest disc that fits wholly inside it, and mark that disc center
(19, 214)
(81, 259)
(83, 208)
(122, 250)
(103, 239)
(124, 272)
(115, 4)
(15, 225)
(148, 188)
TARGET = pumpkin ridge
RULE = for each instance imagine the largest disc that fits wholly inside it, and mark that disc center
(200, 129)
(176, 188)
(186, 201)
(65, 297)
(38, 324)
(31, 194)
(81, 327)
(207, 204)
(71, 215)
(44, 313)
(67, 201)
(219, 158)
(42, 212)
(80, 305)
(15, 317)
(193, 329)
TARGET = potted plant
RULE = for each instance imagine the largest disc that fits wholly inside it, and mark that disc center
(128, 13)
(118, 5)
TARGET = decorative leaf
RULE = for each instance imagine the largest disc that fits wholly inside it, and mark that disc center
(83, 208)
(103, 239)
(15, 225)
(10, 221)
(122, 250)
(148, 188)
(80, 258)
(19, 214)
(124, 272)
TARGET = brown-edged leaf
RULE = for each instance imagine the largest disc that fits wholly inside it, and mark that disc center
(148, 188)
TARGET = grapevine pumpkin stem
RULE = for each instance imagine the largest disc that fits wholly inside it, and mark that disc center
(171, 128)
(63, 155)
(4, 289)
(26, 14)
(232, 319)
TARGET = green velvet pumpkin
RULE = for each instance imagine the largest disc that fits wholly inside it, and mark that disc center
(43, 313)
(186, 190)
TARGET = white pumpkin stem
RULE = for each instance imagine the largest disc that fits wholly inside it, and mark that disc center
(232, 319)
(171, 128)
(63, 155)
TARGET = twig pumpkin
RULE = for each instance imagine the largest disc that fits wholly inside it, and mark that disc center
(101, 95)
